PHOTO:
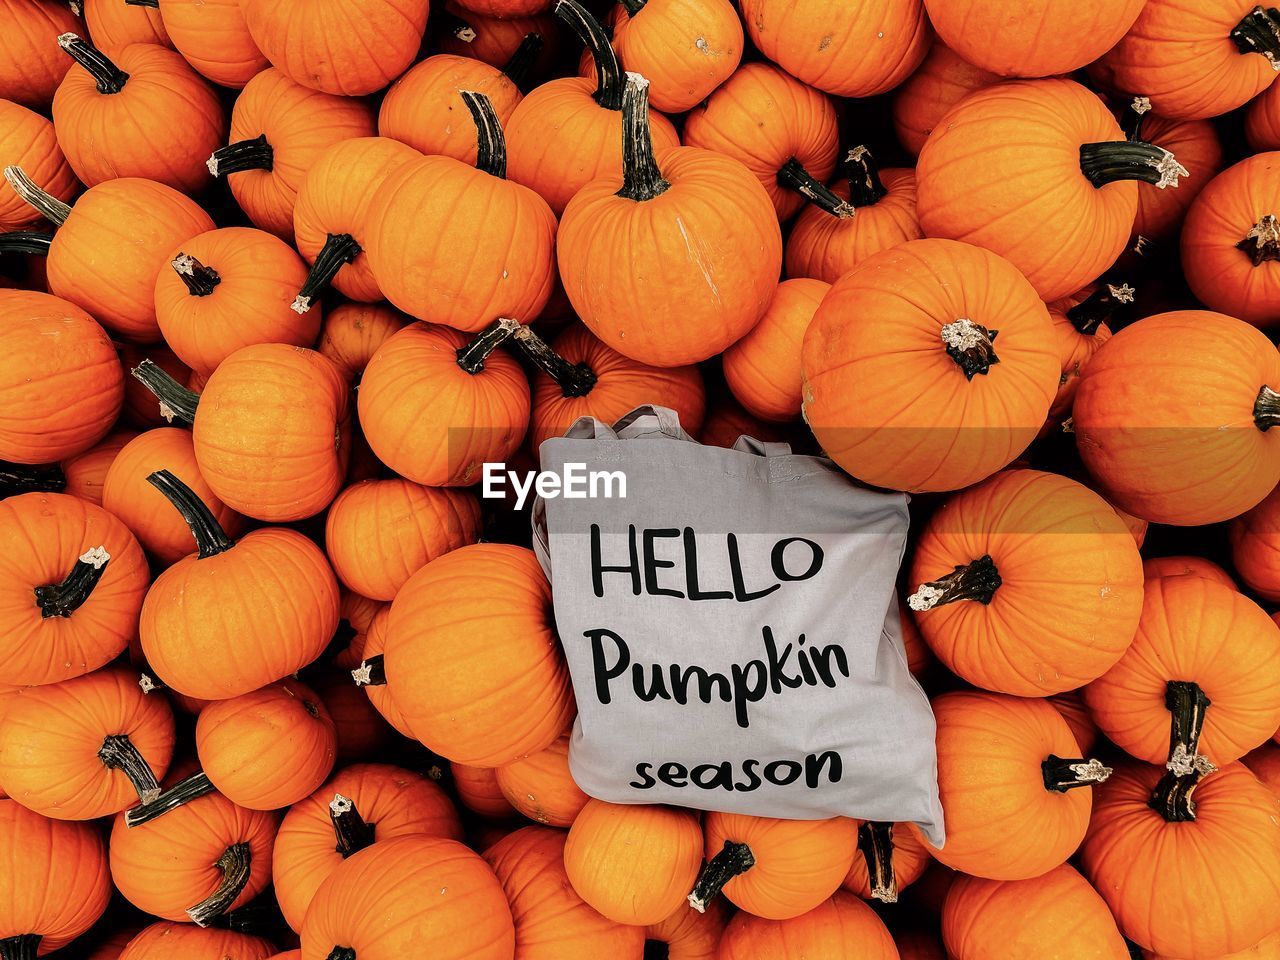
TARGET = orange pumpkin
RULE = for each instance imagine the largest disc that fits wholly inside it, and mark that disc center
(1255, 547)
(479, 792)
(370, 673)
(905, 383)
(468, 625)
(1264, 763)
(689, 935)
(184, 941)
(114, 25)
(85, 473)
(839, 928)
(352, 332)
(1073, 709)
(943, 80)
(1195, 448)
(890, 858)
(102, 105)
(355, 616)
(719, 262)
(214, 38)
(1186, 566)
(493, 39)
(726, 422)
(541, 787)
(31, 64)
(362, 733)
(1080, 329)
(27, 141)
(1196, 145)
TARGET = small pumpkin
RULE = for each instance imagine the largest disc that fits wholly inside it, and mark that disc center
(689, 935)
(28, 142)
(1178, 566)
(1080, 327)
(352, 332)
(167, 940)
(478, 791)
(1198, 148)
(840, 928)
(85, 474)
(890, 858)
(493, 39)
(943, 79)
(213, 37)
(541, 787)
(114, 24)
(370, 673)
(31, 64)
(1255, 547)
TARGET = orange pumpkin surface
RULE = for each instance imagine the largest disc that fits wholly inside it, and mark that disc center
(214, 38)
(1074, 710)
(1255, 547)
(943, 80)
(1196, 145)
(27, 141)
(541, 787)
(353, 332)
(370, 673)
(494, 39)
(840, 928)
(1183, 566)
(86, 473)
(479, 792)
(1080, 329)
(31, 63)
(113, 26)
(167, 940)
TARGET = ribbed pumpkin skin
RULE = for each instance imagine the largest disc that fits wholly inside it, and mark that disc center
(41, 537)
(1002, 823)
(1218, 876)
(847, 49)
(1262, 120)
(113, 26)
(690, 935)
(465, 628)
(27, 140)
(399, 802)
(86, 472)
(168, 864)
(840, 928)
(1198, 631)
(337, 46)
(215, 40)
(1196, 145)
(943, 80)
(541, 787)
(1255, 547)
(353, 332)
(374, 903)
(496, 37)
(886, 400)
(185, 941)
(299, 123)
(1267, 948)
(1073, 709)
(1164, 418)
(1002, 170)
(57, 884)
(32, 64)
(552, 921)
(1155, 567)
(61, 385)
(1054, 916)
(910, 858)
(375, 643)
(479, 792)
(98, 132)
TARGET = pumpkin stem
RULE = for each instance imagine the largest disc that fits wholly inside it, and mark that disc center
(1187, 705)
(1262, 242)
(1134, 116)
(608, 68)
(875, 840)
(338, 249)
(1171, 797)
(575, 379)
(453, 24)
(641, 178)
(522, 60)
(109, 78)
(371, 672)
(1096, 309)
(199, 279)
(16, 478)
(26, 241)
(349, 828)
(180, 794)
(1266, 409)
(118, 753)
(1259, 32)
(46, 204)
(150, 684)
(471, 358)
(978, 580)
(733, 859)
(633, 6)
(1112, 160)
(341, 953)
(176, 401)
(865, 188)
(63, 599)
(210, 538)
(1063, 775)
(794, 176)
(255, 154)
(491, 146)
(236, 864)
(970, 345)
(25, 946)
(154, 4)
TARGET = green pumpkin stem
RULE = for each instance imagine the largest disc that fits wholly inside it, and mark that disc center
(971, 346)
(199, 280)
(255, 154)
(575, 379)
(633, 6)
(351, 832)
(732, 860)
(522, 60)
(1259, 32)
(1172, 796)
(16, 478)
(491, 146)
(372, 672)
(471, 358)
(978, 580)
(1112, 160)
(641, 178)
(339, 249)
(210, 538)
(1096, 309)
(1134, 117)
(25, 946)
(47, 205)
(1062, 775)
(118, 753)
(794, 176)
(176, 401)
(1266, 409)
(236, 864)
(180, 794)
(608, 68)
(108, 77)
(1262, 242)
(875, 841)
(65, 598)
(26, 241)
(865, 187)
(1187, 705)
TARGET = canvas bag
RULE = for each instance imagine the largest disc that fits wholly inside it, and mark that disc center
(735, 551)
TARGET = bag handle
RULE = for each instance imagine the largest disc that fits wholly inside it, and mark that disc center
(667, 420)
(762, 448)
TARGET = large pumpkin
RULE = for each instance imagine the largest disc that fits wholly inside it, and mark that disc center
(840, 928)
(1255, 547)
(167, 940)
(214, 39)
(31, 63)
(27, 141)
(943, 80)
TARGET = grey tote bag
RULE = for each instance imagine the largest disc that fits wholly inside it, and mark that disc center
(731, 626)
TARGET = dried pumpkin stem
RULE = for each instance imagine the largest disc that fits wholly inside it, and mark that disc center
(471, 358)
(1112, 160)
(46, 204)
(26, 241)
(522, 60)
(199, 280)
(154, 4)
(1062, 775)
(633, 6)
(371, 672)
(150, 684)
(176, 401)
(255, 154)
(641, 178)
(118, 753)
(1171, 797)
(210, 538)
(608, 68)
(491, 146)
(875, 840)
(350, 830)
(25, 946)
(732, 860)
(575, 379)
(794, 176)
(1187, 705)
(1266, 409)
(108, 77)
(341, 953)
(16, 478)
(1096, 309)
(1262, 242)
(1259, 32)
(339, 249)
(236, 864)
(453, 25)
(180, 794)
(65, 598)
(970, 345)
(1134, 117)
(978, 580)
(865, 188)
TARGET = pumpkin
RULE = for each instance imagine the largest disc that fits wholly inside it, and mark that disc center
(355, 616)
(1210, 854)
(1074, 710)
(541, 787)
(60, 379)
(102, 104)
(875, 210)
(213, 37)
(110, 946)
(905, 384)
(470, 626)
(494, 237)
(73, 579)
(840, 928)
(1196, 145)
(371, 907)
(1186, 566)
(568, 132)
(1264, 763)
(1021, 919)
(56, 885)
(184, 941)
(27, 141)
(687, 934)
(635, 864)
(1196, 448)
(1255, 547)
(85, 474)
(31, 65)
(278, 130)
(1016, 796)
(332, 47)
(775, 869)
(370, 673)
(663, 270)
(329, 215)
(1080, 329)
(362, 732)
(272, 580)
(114, 24)
(943, 79)
(993, 554)
(919, 945)
(503, 8)
(1268, 948)
(1050, 188)
(727, 422)
(582, 376)
(1204, 656)
(479, 792)
(435, 406)
(552, 921)
(140, 407)
(352, 332)
(890, 858)
(225, 289)
(360, 805)
(491, 39)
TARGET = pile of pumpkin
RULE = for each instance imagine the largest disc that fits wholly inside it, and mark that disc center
(276, 677)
